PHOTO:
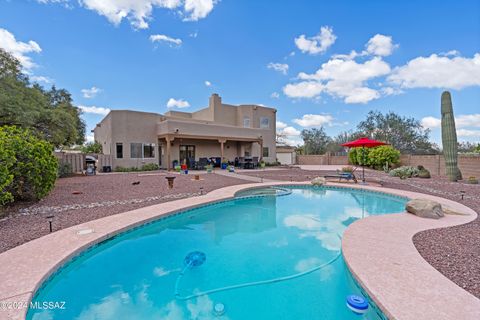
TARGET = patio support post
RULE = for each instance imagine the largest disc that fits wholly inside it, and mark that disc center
(260, 142)
(222, 142)
(168, 151)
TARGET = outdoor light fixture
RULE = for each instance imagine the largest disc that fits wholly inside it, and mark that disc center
(201, 190)
(462, 193)
(50, 220)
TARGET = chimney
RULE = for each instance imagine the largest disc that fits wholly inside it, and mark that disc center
(215, 100)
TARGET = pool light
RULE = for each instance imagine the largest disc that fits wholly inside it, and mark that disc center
(219, 309)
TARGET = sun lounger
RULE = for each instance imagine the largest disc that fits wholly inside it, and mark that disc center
(343, 175)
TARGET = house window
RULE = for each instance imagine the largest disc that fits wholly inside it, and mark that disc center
(246, 122)
(119, 149)
(264, 123)
(135, 150)
(149, 150)
(265, 152)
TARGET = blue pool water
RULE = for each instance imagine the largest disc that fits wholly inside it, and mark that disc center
(246, 240)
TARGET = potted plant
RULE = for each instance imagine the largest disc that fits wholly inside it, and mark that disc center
(262, 164)
(209, 168)
(224, 164)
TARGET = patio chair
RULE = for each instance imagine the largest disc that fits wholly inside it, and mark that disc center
(201, 163)
(255, 162)
(344, 175)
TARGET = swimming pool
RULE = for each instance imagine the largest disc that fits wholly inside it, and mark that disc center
(267, 256)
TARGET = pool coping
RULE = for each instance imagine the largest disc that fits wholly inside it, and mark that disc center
(21, 278)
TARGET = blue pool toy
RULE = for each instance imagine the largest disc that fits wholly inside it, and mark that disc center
(357, 304)
(195, 259)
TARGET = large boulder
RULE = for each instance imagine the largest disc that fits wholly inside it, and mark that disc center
(318, 181)
(425, 208)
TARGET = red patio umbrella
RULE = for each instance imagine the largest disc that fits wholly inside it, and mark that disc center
(364, 143)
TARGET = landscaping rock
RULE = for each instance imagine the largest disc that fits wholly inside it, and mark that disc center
(425, 208)
(319, 181)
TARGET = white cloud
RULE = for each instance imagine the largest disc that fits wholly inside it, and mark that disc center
(94, 110)
(341, 78)
(280, 67)
(43, 79)
(165, 38)
(193, 34)
(180, 103)
(19, 49)
(198, 9)
(208, 83)
(91, 93)
(290, 132)
(139, 12)
(468, 120)
(462, 121)
(281, 125)
(90, 137)
(431, 122)
(438, 72)
(314, 120)
(380, 45)
(275, 95)
(465, 133)
(304, 89)
(316, 44)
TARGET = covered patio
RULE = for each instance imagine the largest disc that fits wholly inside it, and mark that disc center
(192, 148)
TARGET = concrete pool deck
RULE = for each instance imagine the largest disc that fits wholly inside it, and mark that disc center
(378, 250)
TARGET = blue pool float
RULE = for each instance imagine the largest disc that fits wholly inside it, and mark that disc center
(357, 304)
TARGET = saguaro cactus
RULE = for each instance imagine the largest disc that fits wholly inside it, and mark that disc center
(449, 138)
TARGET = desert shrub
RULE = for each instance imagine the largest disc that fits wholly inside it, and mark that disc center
(383, 155)
(150, 167)
(472, 180)
(423, 173)
(34, 169)
(64, 170)
(404, 172)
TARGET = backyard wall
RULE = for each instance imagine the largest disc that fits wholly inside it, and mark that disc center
(77, 160)
(469, 164)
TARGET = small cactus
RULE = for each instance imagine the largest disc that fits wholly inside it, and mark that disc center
(449, 138)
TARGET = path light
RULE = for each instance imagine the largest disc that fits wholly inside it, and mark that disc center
(462, 193)
(201, 190)
(50, 220)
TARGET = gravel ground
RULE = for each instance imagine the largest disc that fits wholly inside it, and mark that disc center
(454, 251)
(100, 196)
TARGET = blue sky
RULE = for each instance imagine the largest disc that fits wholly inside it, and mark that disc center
(317, 62)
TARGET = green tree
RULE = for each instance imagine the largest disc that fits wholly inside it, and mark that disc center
(92, 147)
(404, 134)
(50, 114)
(315, 140)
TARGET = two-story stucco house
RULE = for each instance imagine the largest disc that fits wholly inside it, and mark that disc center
(221, 130)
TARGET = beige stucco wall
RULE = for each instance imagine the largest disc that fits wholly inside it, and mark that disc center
(126, 127)
(217, 121)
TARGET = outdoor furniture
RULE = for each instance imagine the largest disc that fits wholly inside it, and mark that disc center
(248, 163)
(201, 163)
(255, 162)
(343, 175)
(364, 143)
(191, 163)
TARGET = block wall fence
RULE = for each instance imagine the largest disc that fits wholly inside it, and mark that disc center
(468, 164)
